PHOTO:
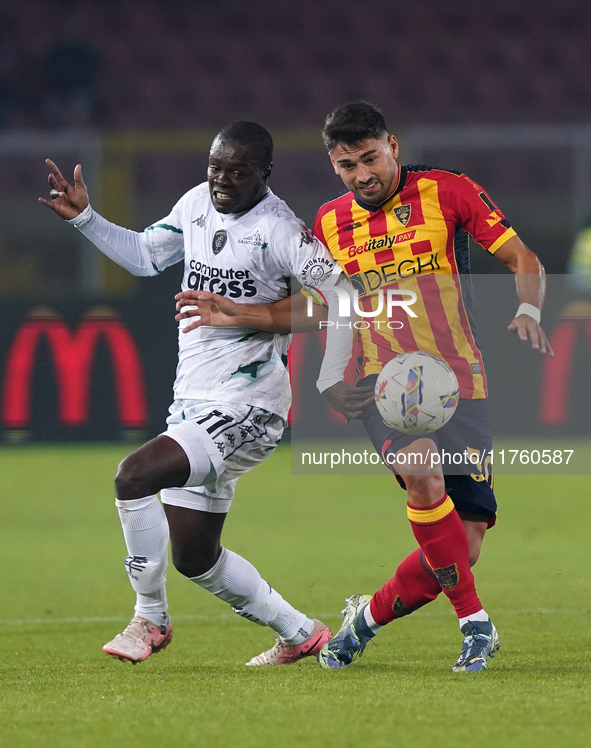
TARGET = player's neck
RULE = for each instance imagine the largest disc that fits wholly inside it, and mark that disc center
(396, 184)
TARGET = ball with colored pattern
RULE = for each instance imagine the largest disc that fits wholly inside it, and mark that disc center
(416, 393)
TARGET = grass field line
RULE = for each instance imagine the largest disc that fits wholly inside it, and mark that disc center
(231, 617)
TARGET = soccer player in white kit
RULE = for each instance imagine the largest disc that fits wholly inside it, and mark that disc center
(231, 393)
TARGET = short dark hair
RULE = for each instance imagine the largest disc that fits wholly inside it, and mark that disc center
(352, 123)
(254, 137)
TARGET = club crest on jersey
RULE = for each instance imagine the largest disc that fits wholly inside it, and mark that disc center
(402, 213)
(219, 241)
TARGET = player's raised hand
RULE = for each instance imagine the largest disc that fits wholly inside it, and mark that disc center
(65, 199)
(206, 308)
(348, 400)
(526, 328)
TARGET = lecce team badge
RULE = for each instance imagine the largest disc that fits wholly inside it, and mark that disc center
(402, 213)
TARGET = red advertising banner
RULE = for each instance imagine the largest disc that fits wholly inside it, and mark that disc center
(72, 353)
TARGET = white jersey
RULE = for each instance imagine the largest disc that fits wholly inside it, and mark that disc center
(248, 257)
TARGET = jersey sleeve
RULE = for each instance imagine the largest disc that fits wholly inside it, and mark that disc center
(301, 255)
(339, 340)
(318, 230)
(164, 239)
(125, 247)
(475, 212)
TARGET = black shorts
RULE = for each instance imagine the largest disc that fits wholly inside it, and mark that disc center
(469, 484)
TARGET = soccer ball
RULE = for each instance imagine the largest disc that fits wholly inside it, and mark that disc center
(416, 393)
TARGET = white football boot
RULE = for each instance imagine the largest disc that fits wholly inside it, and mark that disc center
(286, 654)
(140, 639)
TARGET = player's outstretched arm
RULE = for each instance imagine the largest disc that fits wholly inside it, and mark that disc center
(129, 249)
(530, 281)
(67, 200)
(211, 309)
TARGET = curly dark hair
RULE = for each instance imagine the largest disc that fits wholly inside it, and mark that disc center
(352, 123)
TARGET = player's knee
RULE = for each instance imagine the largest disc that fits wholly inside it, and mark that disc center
(424, 490)
(193, 562)
(130, 480)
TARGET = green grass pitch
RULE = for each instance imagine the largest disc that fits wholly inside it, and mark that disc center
(64, 592)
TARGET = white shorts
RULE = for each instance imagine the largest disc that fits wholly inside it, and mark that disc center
(236, 438)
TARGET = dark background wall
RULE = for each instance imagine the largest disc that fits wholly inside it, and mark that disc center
(135, 90)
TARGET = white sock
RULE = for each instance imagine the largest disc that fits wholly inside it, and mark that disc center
(145, 529)
(369, 619)
(236, 581)
(480, 615)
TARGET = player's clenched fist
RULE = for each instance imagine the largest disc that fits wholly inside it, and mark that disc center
(66, 200)
(349, 400)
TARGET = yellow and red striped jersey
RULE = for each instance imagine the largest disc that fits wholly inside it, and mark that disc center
(416, 240)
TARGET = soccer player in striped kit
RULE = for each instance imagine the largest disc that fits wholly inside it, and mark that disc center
(405, 227)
